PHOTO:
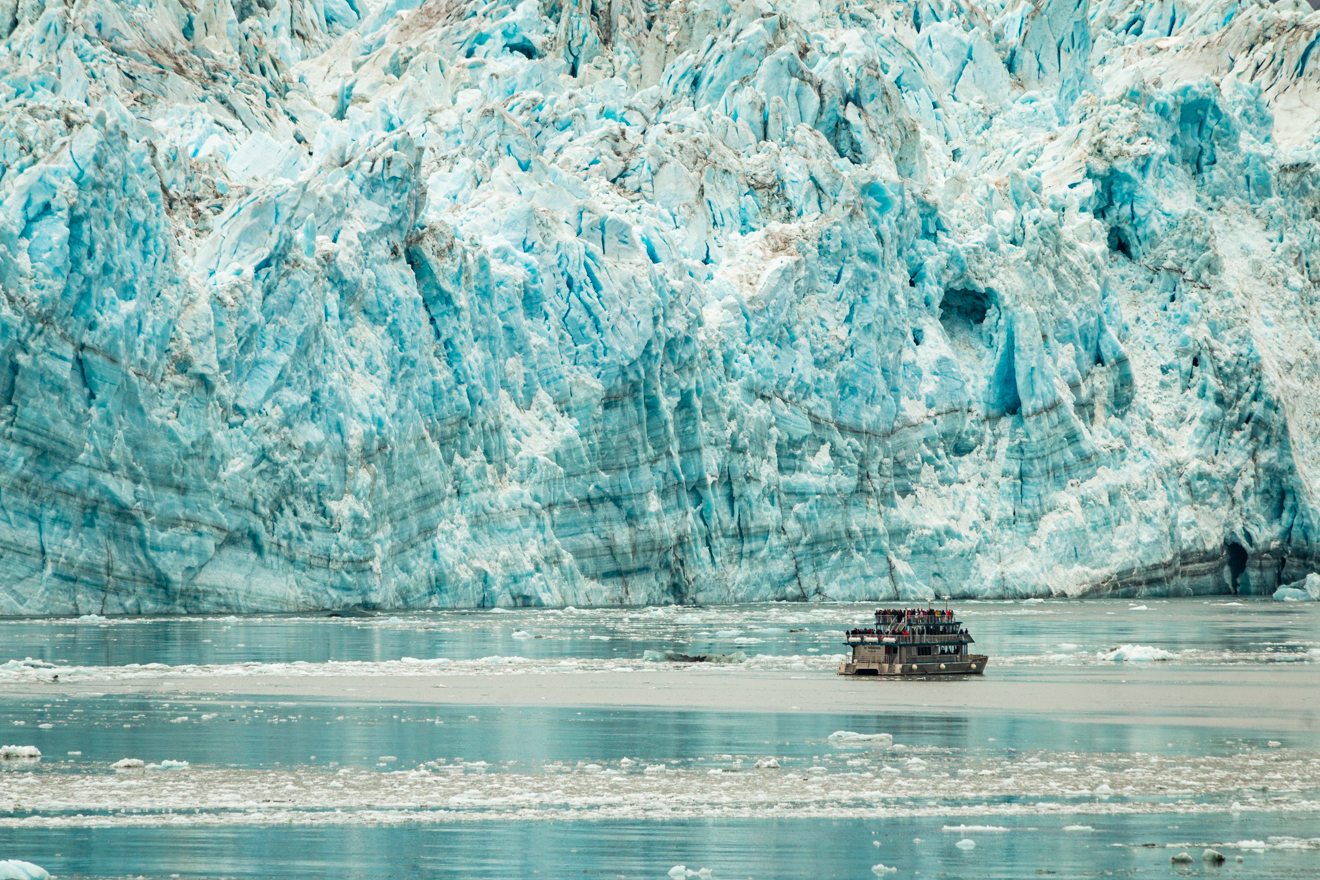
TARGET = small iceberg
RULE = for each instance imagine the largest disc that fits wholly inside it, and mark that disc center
(1305, 590)
(847, 737)
(881, 870)
(19, 753)
(1136, 654)
(678, 657)
(14, 869)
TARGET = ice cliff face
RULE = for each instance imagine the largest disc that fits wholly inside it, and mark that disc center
(309, 303)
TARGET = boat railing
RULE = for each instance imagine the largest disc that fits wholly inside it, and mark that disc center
(919, 639)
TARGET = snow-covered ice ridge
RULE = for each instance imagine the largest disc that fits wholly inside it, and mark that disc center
(459, 303)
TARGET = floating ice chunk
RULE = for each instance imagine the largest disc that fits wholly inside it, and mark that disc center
(767, 764)
(966, 844)
(654, 768)
(522, 634)
(1213, 856)
(678, 871)
(848, 737)
(1273, 743)
(881, 870)
(678, 657)
(1181, 858)
(1103, 790)
(434, 661)
(1138, 608)
(1136, 654)
(19, 753)
(169, 765)
(15, 869)
(1078, 828)
(970, 829)
(129, 764)
(1305, 590)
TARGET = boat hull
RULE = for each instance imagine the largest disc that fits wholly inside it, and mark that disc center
(973, 665)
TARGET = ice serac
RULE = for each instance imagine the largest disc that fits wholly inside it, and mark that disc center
(400, 303)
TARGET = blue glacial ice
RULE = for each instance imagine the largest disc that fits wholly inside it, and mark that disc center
(320, 303)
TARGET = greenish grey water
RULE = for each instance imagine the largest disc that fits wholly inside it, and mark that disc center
(1134, 846)
(314, 787)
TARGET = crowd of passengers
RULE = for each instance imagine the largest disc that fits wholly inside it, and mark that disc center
(916, 614)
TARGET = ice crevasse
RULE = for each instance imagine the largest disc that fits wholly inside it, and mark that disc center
(317, 303)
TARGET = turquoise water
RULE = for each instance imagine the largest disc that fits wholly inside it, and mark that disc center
(1258, 630)
(266, 731)
(764, 850)
(302, 786)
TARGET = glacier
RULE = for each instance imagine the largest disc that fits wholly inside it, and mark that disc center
(469, 303)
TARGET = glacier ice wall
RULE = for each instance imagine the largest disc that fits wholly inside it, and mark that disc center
(313, 303)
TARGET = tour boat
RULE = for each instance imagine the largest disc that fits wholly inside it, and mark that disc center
(912, 642)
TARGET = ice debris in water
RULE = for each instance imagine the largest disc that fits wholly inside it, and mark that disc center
(15, 869)
(497, 303)
(129, 764)
(881, 870)
(1136, 654)
(1181, 858)
(22, 753)
(767, 764)
(681, 871)
(966, 844)
(848, 737)
(1213, 856)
